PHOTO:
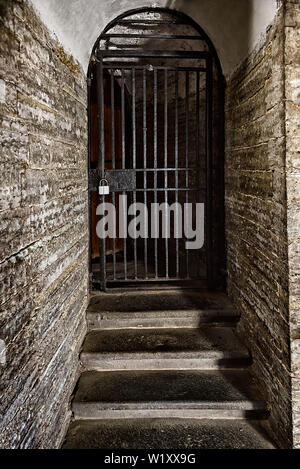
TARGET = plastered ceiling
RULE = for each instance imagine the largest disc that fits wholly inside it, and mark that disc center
(234, 26)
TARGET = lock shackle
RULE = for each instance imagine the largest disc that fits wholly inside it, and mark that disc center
(103, 188)
(103, 182)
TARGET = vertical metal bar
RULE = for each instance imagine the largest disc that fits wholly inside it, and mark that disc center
(208, 208)
(123, 117)
(145, 166)
(134, 158)
(176, 166)
(100, 91)
(198, 120)
(197, 267)
(155, 167)
(113, 154)
(124, 162)
(113, 133)
(101, 164)
(166, 165)
(187, 90)
(89, 84)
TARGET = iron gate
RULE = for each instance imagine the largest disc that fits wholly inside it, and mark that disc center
(165, 103)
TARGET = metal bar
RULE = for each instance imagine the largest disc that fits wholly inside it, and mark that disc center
(169, 189)
(128, 66)
(89, 84)
(187, 90)
(101, 158)
(114, 238)
(100, 93)
(147, 170)
(208, 208)
(176, 165)
(155, 166)
(153, 53)
(149, 21)
(93, 186)
(134, 156)
(145, 165)
(123, 117)
(151, 36)
(166, 164)
(154, 280)
(113, 153)
(124, 161)
(113, 142)
(198, 137)
(198, 119)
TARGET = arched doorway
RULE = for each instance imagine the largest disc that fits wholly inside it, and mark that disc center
(156, 137)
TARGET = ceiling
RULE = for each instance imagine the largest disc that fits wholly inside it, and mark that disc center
(234, 26)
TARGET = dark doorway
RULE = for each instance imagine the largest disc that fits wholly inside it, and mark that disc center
(156, 137)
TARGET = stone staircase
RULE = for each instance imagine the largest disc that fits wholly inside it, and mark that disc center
(164, 369)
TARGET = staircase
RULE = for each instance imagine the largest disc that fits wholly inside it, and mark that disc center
(164, 369)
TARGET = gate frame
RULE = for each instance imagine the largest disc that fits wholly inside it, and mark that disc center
(210, 57)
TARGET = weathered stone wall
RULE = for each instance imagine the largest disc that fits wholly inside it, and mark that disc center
(256, 219)
(44, 229)
(292, 91)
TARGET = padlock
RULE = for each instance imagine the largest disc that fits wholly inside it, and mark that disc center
(103, 187)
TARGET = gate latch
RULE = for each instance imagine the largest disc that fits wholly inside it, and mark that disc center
(103, 187)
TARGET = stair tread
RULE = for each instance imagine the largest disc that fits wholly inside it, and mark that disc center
(136, 301)
(166, 434)
(176, 313)
(207, 341)
(211, 387)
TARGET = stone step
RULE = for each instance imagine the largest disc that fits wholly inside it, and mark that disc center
(155, 309)
(151, 349)
(156, 300)
(159, 319)
(158, 434)
(167, 394)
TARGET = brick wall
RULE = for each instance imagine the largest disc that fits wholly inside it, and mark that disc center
(292, 90)
(256, 220)
(44, 229)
